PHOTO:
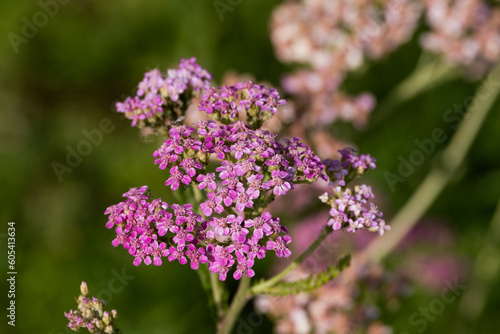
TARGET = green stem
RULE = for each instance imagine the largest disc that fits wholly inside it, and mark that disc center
(426, 75)
(239, 301)
(484, 274)
(217, 292)
(406, 218)
(197, 194)
(263, 286)
(450, 161)
(204, 276)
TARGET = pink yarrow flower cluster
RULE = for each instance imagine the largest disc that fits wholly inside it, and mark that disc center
(231, 171)
(351, 209)
(230, 229)
(159, 96)
(91, 314)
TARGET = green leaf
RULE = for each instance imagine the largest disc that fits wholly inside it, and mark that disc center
(312, 282)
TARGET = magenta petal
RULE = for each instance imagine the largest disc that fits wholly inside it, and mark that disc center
(271, 245)
(207, 211)
(258, 233)
(186, 179)
(237, 274)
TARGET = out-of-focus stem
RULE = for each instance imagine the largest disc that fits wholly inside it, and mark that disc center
(449, 162)
(261, 287)
(239, 301)
(486, 270)
(406, 218)
(425, 76)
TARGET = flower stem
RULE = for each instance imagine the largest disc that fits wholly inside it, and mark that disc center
(263, 286)
(239, 301)
(448, 164)
(197, 194)
(217, 292)
(484, 275)
(426, 75)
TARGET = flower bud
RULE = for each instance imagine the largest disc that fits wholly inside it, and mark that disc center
(84, 289)
(99, 324)
(106, 319)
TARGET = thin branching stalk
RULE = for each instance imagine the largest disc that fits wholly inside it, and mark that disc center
(427, 74)
(447, 166)
(484, 275)
(217, 294)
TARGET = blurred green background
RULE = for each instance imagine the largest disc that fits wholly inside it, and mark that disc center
(90, 54)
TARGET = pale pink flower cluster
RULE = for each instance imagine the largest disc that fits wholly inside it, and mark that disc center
(332, 38)
(319, 91)
(466, 32)
(338, 35)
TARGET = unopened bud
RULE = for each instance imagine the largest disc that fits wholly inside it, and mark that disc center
(84, 289)
(98, 323)
(106, 319)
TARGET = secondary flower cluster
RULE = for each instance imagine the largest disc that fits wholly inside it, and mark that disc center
(160, 99)
(340, 34)
(226, 103)
(351, 209)
(466, 32)
(319, 92)
(91, 315)
(332, 38)
(152, 230)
